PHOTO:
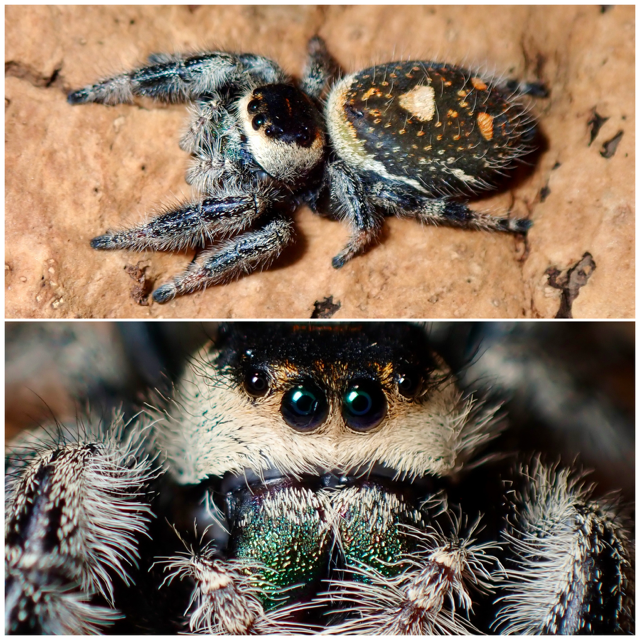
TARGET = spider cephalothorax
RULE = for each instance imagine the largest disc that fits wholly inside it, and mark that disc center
(401, 138)
(339, 480)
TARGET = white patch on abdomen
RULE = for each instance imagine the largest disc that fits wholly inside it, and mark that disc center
(420, 102)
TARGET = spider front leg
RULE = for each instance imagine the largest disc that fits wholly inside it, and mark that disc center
(191, 225)
(227, 596)
(571, 570)
(431, 596)
(76, 507)
(243, 254)
(351, 203)
(179, 78)
(403, 202)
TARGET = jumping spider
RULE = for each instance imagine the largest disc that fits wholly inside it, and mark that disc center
(338, 479)
(397, 139)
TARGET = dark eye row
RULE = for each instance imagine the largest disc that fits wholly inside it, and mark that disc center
(305, 406)
(303, 137)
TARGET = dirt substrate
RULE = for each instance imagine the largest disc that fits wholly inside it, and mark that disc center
(73, 172)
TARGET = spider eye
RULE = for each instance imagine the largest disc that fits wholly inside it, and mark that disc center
(303, 137)
(253, 106)
(258, 121)
(408, 380)
(364, 405)
(272, 131)
(256, 383)
(304, 407)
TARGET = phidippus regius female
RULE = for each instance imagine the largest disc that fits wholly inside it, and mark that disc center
(397, 139)
(330, 478)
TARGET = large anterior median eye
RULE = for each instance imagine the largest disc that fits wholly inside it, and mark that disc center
(364, 405)
(304, 407)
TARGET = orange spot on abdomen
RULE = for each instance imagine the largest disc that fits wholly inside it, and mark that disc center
(485, 123)
(478, 84)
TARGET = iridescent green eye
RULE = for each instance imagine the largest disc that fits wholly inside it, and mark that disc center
(364, 405)
(304, 407)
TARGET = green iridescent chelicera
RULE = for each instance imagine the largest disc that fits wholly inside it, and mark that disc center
(377, 537)
(291, 544)
(287, 529)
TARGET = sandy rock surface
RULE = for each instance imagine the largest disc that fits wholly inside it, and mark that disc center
(73, 172)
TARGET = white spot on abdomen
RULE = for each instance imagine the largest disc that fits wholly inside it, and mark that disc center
(461, 175)
(420, 102)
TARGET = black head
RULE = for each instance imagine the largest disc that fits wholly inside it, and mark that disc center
(284, 113)
(283, 130)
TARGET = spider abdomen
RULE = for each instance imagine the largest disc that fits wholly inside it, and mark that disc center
(437, 127)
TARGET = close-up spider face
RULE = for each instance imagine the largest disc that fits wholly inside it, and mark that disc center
(377, 478)
(396, 139)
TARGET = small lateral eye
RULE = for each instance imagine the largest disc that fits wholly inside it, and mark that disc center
(256, 383)
(364, 405)
(253, 106)
(258, 121)
(303, 137)
(304, 407)
(272, 131)
(408, 380)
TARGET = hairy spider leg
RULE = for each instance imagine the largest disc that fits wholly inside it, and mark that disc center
(442, 211)
(76, 509)
(191, 225)
(319, 69)
(239, 255)
(180, 78)
(570, 563)
(354, 207)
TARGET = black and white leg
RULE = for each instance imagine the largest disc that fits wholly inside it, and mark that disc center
(214, 164)
(209, 170)
(180, 78)
(319, 69)
(242, 254)
(432, 596)
(206, 115)
(571, 568)
(191, 225)
(227, 596)
(442, 211)
(75, 512)
(351, 203)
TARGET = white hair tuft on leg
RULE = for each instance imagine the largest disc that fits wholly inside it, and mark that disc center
(571, 569)
(75, 506)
